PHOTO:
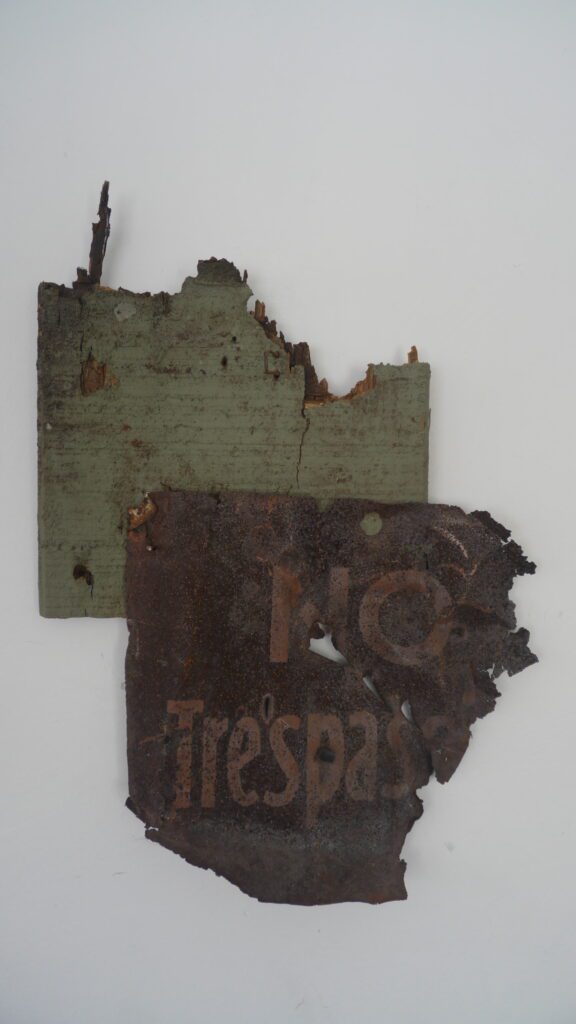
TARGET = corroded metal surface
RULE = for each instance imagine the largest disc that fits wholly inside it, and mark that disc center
(293, 775)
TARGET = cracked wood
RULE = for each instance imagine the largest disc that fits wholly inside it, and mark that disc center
(139, 392)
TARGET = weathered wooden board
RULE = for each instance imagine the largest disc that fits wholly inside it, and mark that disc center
(191, 391)
(292, 775)
(137, 392)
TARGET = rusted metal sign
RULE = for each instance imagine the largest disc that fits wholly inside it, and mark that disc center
(293, 775)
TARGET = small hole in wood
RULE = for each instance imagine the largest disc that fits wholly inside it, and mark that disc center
(80, 572)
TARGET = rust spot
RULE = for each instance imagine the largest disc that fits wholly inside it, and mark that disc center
(140, 514)
(94, 376)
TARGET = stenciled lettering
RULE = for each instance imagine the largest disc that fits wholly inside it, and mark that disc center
(286, 593)
(285, 759)
(362, 769)
(211, 756)
(213, 730)
(324, 762)
(243, 747)
(184, 710)
(292, 617)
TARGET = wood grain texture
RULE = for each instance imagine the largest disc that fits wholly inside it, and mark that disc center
(139, 393)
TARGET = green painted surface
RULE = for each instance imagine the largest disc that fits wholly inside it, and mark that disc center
(195, 397)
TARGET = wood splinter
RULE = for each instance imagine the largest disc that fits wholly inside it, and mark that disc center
(100, 233)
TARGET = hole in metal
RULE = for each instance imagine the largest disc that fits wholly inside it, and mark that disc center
(367, 680)
(371, 524)
(325, 647)
(406, 710)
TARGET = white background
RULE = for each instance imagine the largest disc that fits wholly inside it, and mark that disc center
(391, 174)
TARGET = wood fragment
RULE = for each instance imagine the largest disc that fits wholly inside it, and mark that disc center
(100, 234)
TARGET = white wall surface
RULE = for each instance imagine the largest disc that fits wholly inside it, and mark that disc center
(391, 173)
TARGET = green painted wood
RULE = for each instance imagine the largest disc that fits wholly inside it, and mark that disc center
(188, 391)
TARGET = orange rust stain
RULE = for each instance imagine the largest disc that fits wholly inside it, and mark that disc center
(94, 376)
(140, 514)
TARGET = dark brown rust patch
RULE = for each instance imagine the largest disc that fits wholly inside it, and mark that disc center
(293, 775)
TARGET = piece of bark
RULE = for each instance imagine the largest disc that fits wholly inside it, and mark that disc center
(293, 775)
(137, 392)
